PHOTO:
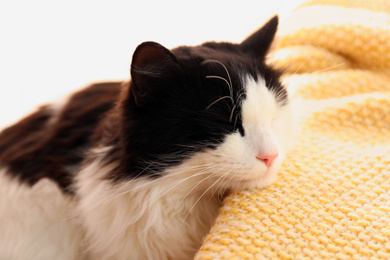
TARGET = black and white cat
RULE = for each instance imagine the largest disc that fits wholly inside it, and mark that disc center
(137, 169)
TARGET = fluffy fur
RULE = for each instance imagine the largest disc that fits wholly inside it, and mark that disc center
(36, 221)
(143, 165)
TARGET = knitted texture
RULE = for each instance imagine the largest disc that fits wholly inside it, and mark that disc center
(332, 197)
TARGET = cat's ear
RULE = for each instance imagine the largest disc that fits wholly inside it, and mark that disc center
(149, 63)
(260, 41)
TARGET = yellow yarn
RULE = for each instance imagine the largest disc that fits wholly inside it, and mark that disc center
(332, 198)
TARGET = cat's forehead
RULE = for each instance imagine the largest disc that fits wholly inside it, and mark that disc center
(225, 53)
(219, 60)
(225, 64)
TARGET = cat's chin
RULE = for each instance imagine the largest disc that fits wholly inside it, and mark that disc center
(257, 183)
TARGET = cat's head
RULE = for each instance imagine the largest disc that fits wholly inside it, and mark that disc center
(217, 109)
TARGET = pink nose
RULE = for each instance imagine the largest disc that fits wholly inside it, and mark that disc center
(268, 159)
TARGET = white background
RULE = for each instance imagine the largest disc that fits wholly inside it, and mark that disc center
(49, 48)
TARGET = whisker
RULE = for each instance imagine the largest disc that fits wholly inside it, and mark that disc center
(312, 69)
(306, 60)
(148, 182)
(239, 97)
(153, 200)
(231, 114)
(335, 66)
(218, 77)
(204, 193)
(216, 101)
(235, 121)
(146, 204)
(189, 192)
(232, 177)
(221, 182)
(227, 72)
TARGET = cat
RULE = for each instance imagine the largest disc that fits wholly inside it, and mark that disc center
(138, 169)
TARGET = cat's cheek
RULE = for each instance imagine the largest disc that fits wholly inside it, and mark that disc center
(238, 160)
(238, 154)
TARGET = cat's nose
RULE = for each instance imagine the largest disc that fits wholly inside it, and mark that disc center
(268, 159)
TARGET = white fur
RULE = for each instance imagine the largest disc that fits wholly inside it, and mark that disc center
(163, 218)
(34, 222)
(144, 219)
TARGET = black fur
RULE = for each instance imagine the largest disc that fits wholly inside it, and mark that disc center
(37, 147)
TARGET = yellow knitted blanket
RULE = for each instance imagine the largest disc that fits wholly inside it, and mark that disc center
(332, 198)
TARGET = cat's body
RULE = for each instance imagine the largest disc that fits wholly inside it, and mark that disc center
(39, 157)
(137, 170)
